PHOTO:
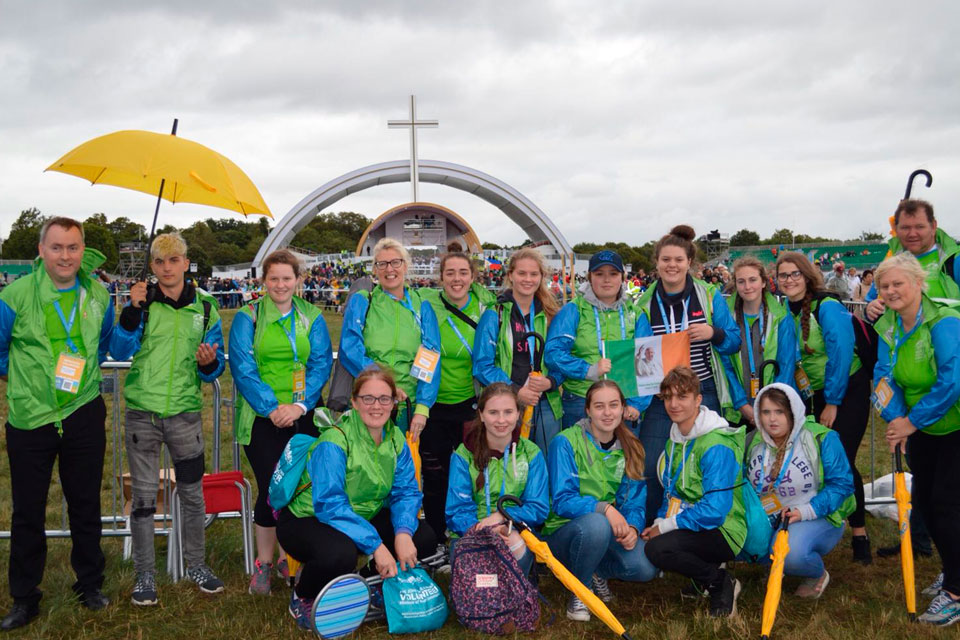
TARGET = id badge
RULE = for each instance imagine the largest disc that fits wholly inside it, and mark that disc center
(803, 382)
(882, 394)
(425, 364)
(771, 504)
(68, 373)
(754, 386)
(299, 384)
(674, 506)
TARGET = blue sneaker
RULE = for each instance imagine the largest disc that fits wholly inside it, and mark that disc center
(943, 611)
(301, 610)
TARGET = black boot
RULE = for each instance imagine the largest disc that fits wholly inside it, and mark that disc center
(20, 614)
(861, 550)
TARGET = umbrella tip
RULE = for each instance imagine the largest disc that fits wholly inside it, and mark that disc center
(625, 636)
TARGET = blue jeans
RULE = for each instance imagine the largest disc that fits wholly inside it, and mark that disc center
(574, 408)
(525, 562)
(654, 433)
(810, 540)
(586, 545)
(545, 425)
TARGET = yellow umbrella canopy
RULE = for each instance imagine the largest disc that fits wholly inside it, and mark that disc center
(142, 160)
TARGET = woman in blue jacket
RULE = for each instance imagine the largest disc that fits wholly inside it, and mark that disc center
(799, 470)
(493, 461)
(597, 498)
(358, 495)
(828, 369)
(575, 340)
(280, 358)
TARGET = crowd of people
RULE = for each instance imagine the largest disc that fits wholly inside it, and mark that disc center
(504, 392)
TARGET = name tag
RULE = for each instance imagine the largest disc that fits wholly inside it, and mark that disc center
(674, 506)
(882, 394)
(771, 504)
(754, 386)
(803, 382)
(68, 373)
(299, 384)
(425, 364)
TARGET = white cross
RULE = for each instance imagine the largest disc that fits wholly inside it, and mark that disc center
(412, 124)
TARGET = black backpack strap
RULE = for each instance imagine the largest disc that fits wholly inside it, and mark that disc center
(457, 312)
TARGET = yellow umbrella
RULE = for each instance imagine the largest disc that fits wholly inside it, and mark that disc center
(525, 424)
(902, 497)
(781, 547)
(542, 551)
(178, 169)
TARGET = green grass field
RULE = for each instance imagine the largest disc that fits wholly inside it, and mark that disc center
(861, 602)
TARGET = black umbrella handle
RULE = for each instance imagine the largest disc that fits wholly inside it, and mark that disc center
(502, 501)
(913, 176)
(409, 406)
(769, 363)
(898, 460)
(537, 362)
(156, 212)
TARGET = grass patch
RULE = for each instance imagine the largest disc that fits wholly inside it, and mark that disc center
(861, 602)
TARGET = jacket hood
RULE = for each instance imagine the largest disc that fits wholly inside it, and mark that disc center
(707, 421)
(796, 405)
(587, 292)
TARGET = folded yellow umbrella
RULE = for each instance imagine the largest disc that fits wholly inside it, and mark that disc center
(781, 547)
(525, 424)
(543, 554)
(902, 496)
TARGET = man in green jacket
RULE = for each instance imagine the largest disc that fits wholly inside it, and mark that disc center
(174, 335)
(55, 326)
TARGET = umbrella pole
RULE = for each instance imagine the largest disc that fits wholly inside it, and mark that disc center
(156, 212)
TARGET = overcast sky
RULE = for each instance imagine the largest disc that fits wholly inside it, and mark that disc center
(618, 119)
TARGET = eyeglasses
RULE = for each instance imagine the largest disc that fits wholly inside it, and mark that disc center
(384, 401)
(793, 275)
(396, 263)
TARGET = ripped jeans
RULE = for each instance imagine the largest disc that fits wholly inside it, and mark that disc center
(183, 435)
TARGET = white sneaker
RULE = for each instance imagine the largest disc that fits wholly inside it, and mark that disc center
(576, 610)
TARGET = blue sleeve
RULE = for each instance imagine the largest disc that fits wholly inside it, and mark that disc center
(125, 344)
(558, 352)
(738, 395)
(405, 497)
(352, 352)
(328, 472)
(430, 339)
(319, 363)
(872, 294)
(720, 470)
(243, 367)
(897, 407)
(724, 320)
(946, 390)
(632, 501)
(565, 482)
(536, 494)
(837, 481)
(214, 337)
(461, 510)
(956, 268)
(106, 331)
(485, 350)
(787, 352)
(7, 317)
(641, 329)
(839, 340)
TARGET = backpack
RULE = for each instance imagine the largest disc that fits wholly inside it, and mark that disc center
(285, 481)
(488, 590)
(341, 382)
(864, 335)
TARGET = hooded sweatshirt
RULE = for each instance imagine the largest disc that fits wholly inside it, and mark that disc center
(815, 476)
(702, 469)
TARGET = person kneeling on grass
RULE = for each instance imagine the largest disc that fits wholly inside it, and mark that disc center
(799, 469)
(359, 496)
(701, 522)
(598, 498)
(496, 461)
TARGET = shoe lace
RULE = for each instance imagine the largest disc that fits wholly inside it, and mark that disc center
(201, 573)
(145, 582)
(938, 603)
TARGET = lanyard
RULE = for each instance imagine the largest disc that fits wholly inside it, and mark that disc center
(292, 334)
(503, 483)
(68, 324)
(683, 462)
(783, 468)
(671, 328)
(406, 302)
(899, 338)
(596, 319)
(460, 335)
(763, 342)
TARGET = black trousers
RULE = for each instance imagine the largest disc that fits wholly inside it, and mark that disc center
(326, 552)
(32, 454)
(265, 448)
(694, 554)
(850, 424)
(936, 491)
(441, 436)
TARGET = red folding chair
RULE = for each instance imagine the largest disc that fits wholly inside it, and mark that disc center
(226, 492)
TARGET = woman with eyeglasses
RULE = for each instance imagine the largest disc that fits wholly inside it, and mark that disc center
(280, 358)
(767, 335)
(358, 495)
(388, 327)
(829, 371)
